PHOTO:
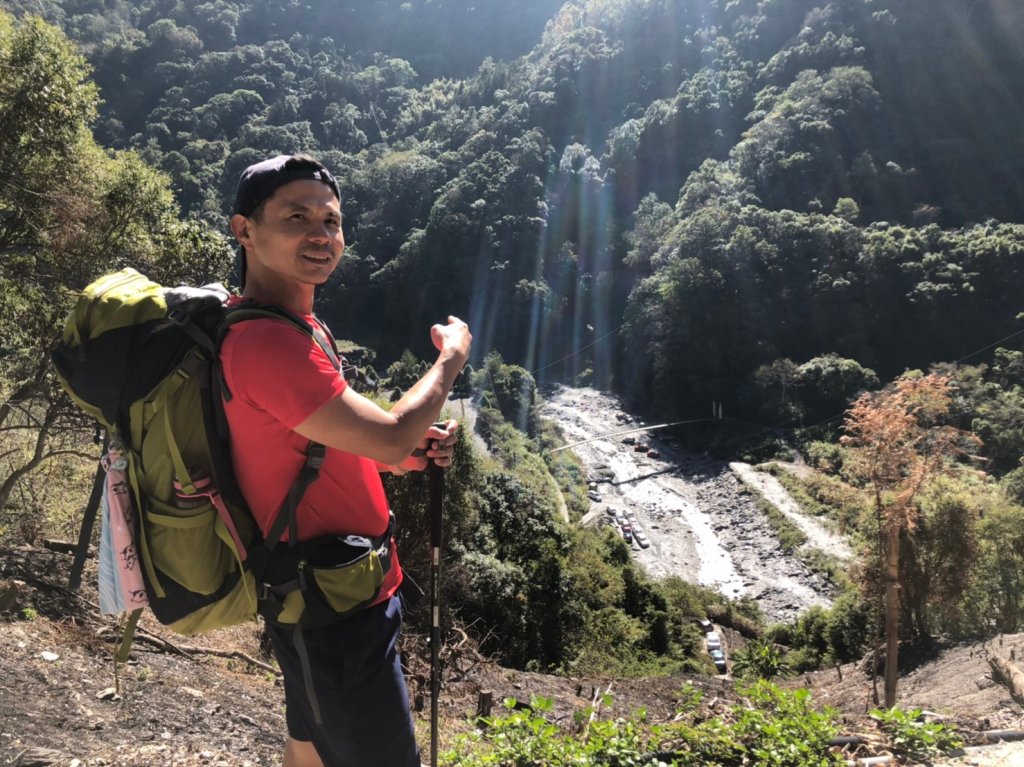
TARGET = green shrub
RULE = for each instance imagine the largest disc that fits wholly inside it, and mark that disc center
(911, 736)
(762, 659)
(1013, 485)
(826, 456)
(770, 728)
(526, 737)
(782, 729)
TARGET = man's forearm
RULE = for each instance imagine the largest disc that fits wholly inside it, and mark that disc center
(425, 398)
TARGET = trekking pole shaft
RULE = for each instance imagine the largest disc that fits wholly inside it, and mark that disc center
(435, 475)
(88, 521)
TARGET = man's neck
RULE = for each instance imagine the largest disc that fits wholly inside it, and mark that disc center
(299, 301)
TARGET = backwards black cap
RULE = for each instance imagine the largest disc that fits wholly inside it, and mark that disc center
(261, 180)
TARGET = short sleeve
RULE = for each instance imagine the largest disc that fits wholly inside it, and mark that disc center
(279, 369)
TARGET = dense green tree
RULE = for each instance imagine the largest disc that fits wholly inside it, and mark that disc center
(776, 385)
(938, 560)
(74, 212)
(509, 389)
(994, 601)
(829, 383)
(807, 136)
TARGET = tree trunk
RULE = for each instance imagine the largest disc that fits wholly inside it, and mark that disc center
(38, 454)
(892, 612)
(1010, 675)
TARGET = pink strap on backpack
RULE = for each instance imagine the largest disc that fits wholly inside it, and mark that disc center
(205, 490)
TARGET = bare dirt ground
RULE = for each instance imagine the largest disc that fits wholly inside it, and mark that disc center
(192, 709)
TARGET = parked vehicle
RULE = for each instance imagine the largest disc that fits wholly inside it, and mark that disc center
(705, 625)
(594, 495)
(653, 454)
(629, 440)
(714, 641)
(641, 538)
(718, 658)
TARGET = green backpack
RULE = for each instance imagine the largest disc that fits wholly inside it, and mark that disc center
(143, 360)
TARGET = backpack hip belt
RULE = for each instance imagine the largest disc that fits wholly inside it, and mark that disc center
(335, 577)
(331, 577)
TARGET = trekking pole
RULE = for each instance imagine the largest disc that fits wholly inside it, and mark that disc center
(88, 520)
(435, 476)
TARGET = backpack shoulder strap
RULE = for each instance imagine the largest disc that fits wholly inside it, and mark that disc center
(323, 336)
(315, 452)
(332, 352)
(250, 310)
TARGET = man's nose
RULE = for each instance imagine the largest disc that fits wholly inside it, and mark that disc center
(320, 233)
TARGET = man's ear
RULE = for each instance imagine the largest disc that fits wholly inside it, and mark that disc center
(240, 227)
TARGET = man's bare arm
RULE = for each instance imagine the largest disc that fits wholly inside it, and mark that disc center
(353, 423)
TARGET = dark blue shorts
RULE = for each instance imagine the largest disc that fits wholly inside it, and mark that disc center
(359, 687)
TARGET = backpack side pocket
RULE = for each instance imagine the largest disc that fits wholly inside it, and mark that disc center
(185, 546)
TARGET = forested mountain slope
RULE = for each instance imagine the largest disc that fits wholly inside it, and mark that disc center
(736, 181)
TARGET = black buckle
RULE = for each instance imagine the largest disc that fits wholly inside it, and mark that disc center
(315, 455)
(178, 316)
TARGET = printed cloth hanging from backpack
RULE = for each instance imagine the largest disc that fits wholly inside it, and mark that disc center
(121, 587)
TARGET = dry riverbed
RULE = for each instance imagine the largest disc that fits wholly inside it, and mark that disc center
(703, 522)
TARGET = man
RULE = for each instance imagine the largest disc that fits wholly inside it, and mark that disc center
(286, 393)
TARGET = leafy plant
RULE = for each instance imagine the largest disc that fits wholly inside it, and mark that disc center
(771, 728)
(688, 698)
(912, 736)
(782, 729)
(761, 659)
(526, 737)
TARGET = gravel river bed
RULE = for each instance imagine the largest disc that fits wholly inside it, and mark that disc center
(703, 522)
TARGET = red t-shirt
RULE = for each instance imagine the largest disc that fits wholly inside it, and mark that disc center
(278, 376)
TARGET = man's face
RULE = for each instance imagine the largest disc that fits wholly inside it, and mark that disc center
(296, 236)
